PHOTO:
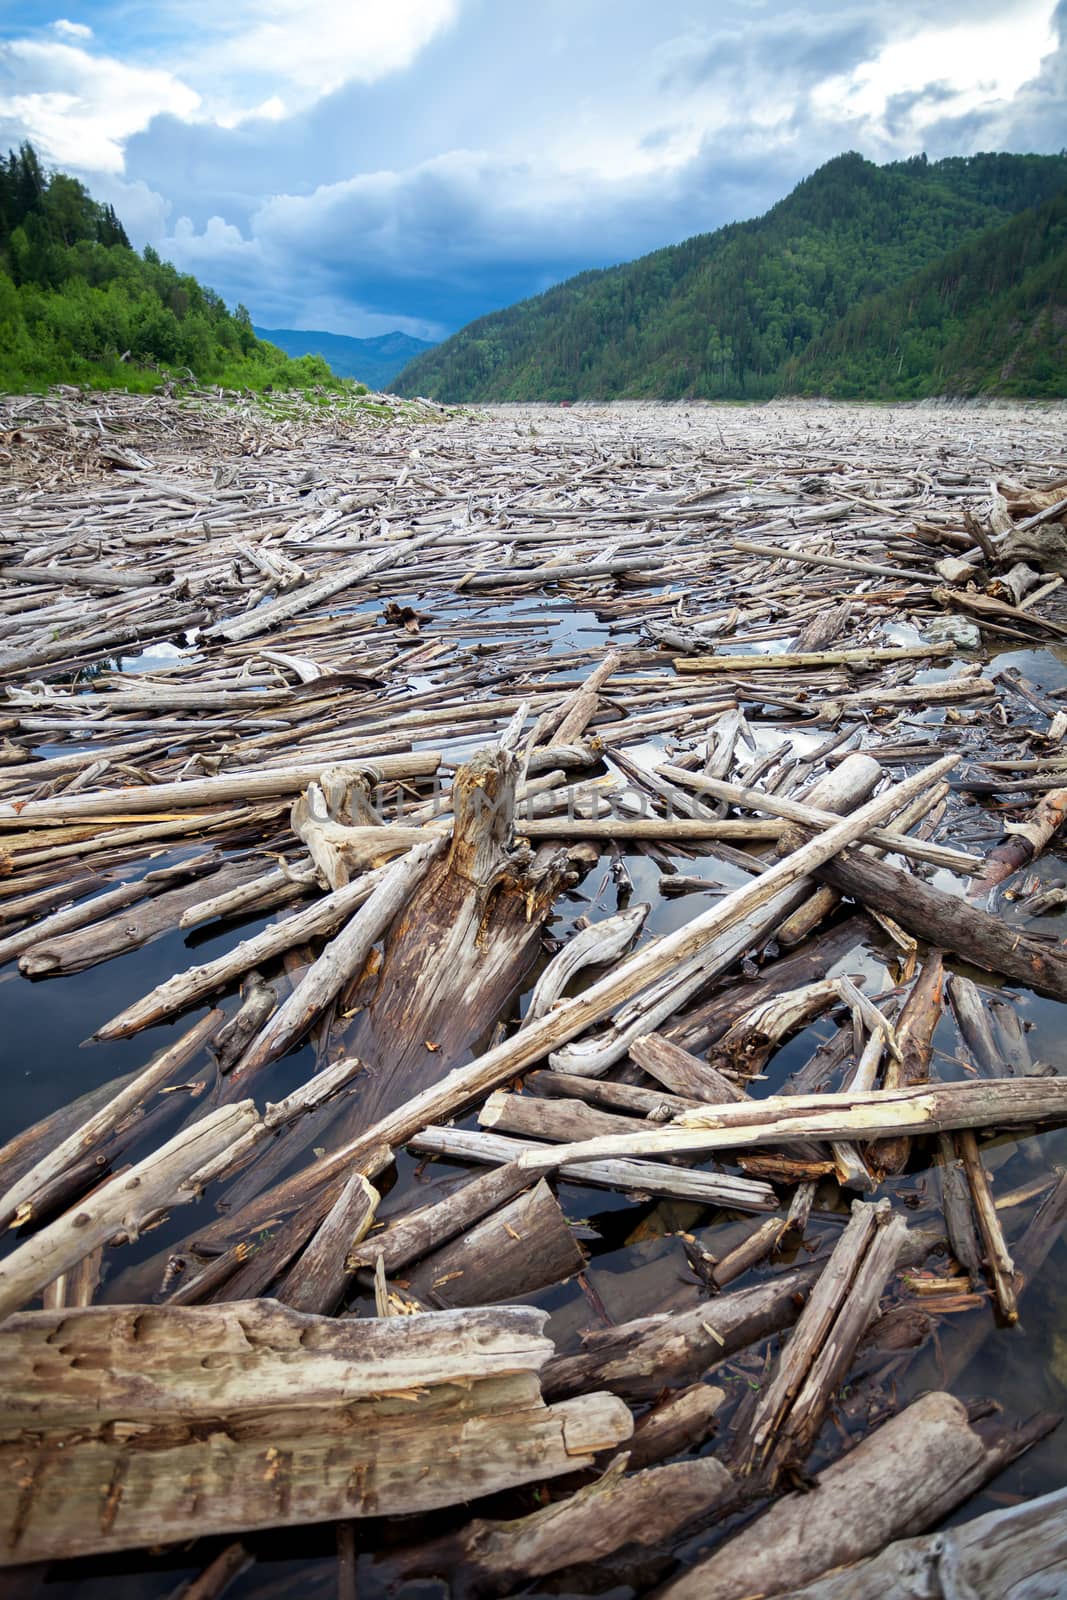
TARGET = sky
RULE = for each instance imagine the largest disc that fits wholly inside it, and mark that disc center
(364, 165)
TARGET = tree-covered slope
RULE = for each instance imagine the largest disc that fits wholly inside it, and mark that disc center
(721, 314)
(78, 305)
(989, 317)
(375, 361)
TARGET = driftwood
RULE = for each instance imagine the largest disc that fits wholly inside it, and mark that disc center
(429, 1227)
(875, 1114)
(124, 1204)
(617, 1513)
(791, 1409)
(523, 1247)
(902, 1479)
(641, 1358)
(1017, 1551)
(418, 631)
(348, 1430)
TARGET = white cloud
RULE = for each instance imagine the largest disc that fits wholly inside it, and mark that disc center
(317, 45)
(71, 30)
(979, 61)
(78, 108)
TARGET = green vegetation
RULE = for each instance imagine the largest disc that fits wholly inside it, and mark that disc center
(78, 305)
(735, 314)
(990, 317)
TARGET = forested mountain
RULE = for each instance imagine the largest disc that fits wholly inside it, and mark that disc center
(374, 362)
(990, 316)
(728, 314)
(78, 305)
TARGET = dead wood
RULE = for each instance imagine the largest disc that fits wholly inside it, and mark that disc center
(525, 1246)
(346, 1431)
(900, 1480)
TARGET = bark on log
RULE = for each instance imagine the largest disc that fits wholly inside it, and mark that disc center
(619, 1512)
(525, 1246)
(1016, 1553)
(949, 923)
(125, 1203)
(898, 1481)
(420, 1232)
(251, 1415)
(317, 1281)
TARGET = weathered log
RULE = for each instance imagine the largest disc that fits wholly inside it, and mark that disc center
(419, 1232)
(101, 1121)
(286, 1419)
(794, 660)
(258, 1000)
(791, 1408)
(748, 1045)
(632, 1177)
(342, 958)
(852, 782)
(596, 945)
(905, 1477)
(525, 1246)
(682, 1072)
(579, 708)
(894, 839)
(461, 948)
(950, 923)
(617, 1513)
(640, 1359)
(915, 1036)
(186, 988)
(125, 1203)
(313, 594)
(193, 793)
(317, 1281)
(681, 1422)
(1015, 1553)
(999, 1262)
(976, 1028)
(873, 1114)
(121, 931)
(570, 1017)
(272, 1251)
(705, 1024)
(776, 552)
(655, 1104)
(956, 1205)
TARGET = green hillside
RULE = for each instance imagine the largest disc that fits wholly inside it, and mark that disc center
(990, 317)
(723, 315)
(78, 305)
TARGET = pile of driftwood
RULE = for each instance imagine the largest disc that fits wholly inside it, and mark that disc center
(620, 803)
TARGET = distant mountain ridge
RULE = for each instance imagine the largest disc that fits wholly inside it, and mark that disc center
(734, 314)
(374, 362)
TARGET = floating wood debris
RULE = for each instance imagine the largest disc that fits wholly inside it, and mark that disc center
(603, 857)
